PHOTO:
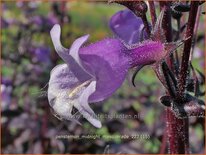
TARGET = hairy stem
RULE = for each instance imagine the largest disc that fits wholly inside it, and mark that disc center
(195, 30)
(176, 58)
(167, 28)
(187, 48)
(170, 87)
(177, 129)
(146, 24)
(178, 134)
(152, 12)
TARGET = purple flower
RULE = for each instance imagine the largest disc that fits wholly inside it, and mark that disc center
(47, 22)
(127, 26)
(6, 90)
(42, 54)
(93, 73)
(90, 74)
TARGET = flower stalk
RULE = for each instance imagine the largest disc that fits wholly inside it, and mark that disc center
(178, 135)
(146, 24)
(178, 129)
(152, 12)
(167, 28)
(187, 48)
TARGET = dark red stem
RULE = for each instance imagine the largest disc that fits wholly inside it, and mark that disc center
(195, 30)
(167, 27)
(146, 24)
(177, 129)
(178, 135)
(152, 12)
(187, 48)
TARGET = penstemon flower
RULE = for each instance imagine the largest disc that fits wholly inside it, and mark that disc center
(127, 26)
(94, 72)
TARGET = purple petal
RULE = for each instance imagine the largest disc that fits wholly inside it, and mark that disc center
(107, 61)
(127, 26)
(65, 91)
(104, 60)
(97, 70)
(61, 82)
(71, 60)
(55, 36)
(74, 50)
(85, 109)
